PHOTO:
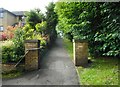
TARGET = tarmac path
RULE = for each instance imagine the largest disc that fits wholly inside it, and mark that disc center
(56, 69)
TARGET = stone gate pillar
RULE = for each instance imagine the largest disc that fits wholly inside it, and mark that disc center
(80, 50)
(32, 59)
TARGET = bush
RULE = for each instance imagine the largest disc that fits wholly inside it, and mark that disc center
(8, 34)
(3, 36)
(18, 42)
(39, 37)
(41, 27)
(8, 52)
(13, 50)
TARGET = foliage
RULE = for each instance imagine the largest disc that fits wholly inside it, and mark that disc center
(51, 19)
(18, 42)
(3, 36)
(37, 27)
(41, 27)
(8, 34)
(31, 34)
(13, 50)
(33, 17)
(28, 31)
(39, 37)
(96, 22)
(7, 51)
(109, 30)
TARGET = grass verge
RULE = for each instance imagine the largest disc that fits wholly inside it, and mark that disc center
(69, 47)
(12, 74)
(102, 71)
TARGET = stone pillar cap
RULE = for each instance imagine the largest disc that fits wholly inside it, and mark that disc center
(80, 40)
(32, 41)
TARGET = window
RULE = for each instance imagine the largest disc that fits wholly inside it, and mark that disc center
(1, 28)
(1, 15)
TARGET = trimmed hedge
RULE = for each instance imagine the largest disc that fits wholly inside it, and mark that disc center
(99, 23)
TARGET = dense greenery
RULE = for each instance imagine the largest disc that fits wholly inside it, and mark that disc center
(98, 23)
(39, 26)
(33, 17)
(13, 50)
(35, 27)
(52, 20)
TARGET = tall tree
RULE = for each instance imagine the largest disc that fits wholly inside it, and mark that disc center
(33, 17)
(51, 19)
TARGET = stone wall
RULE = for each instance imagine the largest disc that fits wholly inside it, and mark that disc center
(80, 49)
(32, 57)
(11, 67)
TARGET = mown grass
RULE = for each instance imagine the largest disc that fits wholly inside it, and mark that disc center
(102, 71)
(69, 46)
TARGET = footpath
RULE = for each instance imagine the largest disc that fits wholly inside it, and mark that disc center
(56, 69)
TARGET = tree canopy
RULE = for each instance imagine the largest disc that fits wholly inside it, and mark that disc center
(34, 16)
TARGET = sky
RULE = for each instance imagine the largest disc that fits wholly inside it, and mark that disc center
(24, 5)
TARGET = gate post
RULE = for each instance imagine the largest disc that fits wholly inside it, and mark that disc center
(80, 50)
(32, 58)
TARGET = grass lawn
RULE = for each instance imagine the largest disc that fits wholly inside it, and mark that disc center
(69, 47)
(102, 71)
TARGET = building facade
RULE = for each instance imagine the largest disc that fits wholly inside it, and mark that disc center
(8, 18)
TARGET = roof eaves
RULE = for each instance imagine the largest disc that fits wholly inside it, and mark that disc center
(3, 10)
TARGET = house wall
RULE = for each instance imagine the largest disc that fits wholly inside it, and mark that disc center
(1, 21)
(8, 19)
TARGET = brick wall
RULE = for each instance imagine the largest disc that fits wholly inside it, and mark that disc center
(32, 57)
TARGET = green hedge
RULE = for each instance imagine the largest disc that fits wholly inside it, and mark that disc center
(99, 23)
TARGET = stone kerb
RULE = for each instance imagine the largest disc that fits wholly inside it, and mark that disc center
(32, 58)
(80, 50)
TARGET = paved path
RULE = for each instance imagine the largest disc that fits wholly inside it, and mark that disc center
(56, 69)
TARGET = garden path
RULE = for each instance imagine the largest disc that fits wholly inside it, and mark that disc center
(56, 69)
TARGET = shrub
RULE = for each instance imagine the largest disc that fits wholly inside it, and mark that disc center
(3, 36)
(8, 34)
(41, 27)
(8, 52)
(18, 42)
(39, 37)
(13, 50)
